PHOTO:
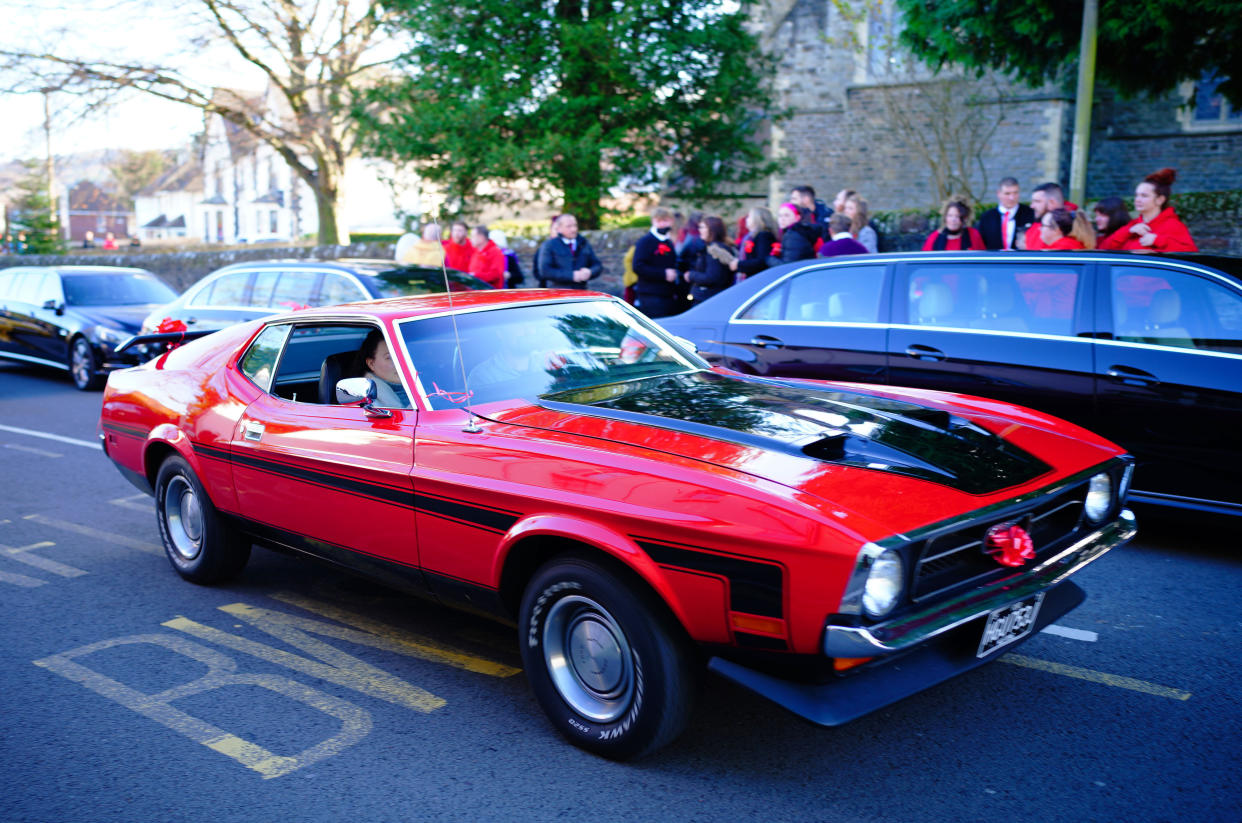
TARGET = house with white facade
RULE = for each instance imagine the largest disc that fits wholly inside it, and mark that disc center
(166, 210)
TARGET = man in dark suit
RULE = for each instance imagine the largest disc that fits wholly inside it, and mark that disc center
(567, 261)
(1001, 226)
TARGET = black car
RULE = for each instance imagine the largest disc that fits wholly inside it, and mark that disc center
(74, 317)
(246, 291)
(1144, 349)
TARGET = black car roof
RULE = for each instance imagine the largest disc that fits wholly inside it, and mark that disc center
(371, 267)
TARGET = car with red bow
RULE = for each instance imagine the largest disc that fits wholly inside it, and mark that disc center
(557, 461)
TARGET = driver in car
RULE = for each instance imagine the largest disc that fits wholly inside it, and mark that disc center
(382, 371)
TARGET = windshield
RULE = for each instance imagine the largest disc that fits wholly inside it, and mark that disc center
(532, 350)
(107, 289)
(414, 282)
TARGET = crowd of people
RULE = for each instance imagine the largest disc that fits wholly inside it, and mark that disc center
(684, 261)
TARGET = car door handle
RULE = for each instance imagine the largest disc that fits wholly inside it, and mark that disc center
(1131, 376)
(924, 353)
(765, 341)
(253, 430)
(190, 321)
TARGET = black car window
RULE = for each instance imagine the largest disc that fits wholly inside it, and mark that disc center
(414, 281)
(1017, 297)
(337, 288)
(1172, 308)
(836, 294)
(308, 347)
(131, 289)
(262, 288)
(293, 290)
(259, 361)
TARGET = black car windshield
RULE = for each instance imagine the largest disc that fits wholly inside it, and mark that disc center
(532, 350)
(413, 282)
(127, 289)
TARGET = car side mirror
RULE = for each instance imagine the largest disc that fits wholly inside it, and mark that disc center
(360, 390)
(53, 305)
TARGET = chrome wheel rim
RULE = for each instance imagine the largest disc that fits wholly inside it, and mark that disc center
(82, 365)
(183, 515)
(589, 659)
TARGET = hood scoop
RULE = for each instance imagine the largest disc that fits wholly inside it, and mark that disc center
(848, 428)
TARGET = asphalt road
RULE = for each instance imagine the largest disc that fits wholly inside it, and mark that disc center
(297, 694)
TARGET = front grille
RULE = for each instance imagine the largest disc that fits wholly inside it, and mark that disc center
(955, 558)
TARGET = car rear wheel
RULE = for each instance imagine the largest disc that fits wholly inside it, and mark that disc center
(609, 666)
(200, 545)
(83, 366)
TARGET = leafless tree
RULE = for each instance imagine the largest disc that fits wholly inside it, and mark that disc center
(314, 54)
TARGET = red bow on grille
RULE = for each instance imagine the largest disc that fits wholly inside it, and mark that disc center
(168, 326)
(663, 249)
(1010, 545)
(776, 249)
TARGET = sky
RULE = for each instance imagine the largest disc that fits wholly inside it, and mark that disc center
(115, 30)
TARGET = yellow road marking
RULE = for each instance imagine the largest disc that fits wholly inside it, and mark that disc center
(1093, 676)
(133, 502)
(407, 643)
(98, 534)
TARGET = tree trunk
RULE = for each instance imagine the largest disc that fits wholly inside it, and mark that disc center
(326, 187)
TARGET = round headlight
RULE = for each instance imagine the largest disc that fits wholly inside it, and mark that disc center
(885, 581)
(1099, 497)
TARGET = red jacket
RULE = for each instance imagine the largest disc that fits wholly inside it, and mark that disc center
(488, 264)
(457, 255)
(1171, 235)
(1033, 241)
(1066, 243)
(955, 243)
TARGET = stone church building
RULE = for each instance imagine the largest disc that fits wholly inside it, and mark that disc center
(866, 116)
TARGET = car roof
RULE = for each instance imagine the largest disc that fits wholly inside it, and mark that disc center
(397, 308)
(370, 267)
(73, 270)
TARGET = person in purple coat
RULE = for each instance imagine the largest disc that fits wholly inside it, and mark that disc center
(842, 241)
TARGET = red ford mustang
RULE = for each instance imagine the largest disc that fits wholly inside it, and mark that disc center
(556, 460)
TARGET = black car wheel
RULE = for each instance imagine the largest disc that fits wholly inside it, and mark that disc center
(199, 544)
(83, 365)
(610, 668)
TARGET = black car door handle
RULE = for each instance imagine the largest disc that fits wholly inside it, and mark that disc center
(1131, 376)
(924, 353)
(765, 341)
(190, 321)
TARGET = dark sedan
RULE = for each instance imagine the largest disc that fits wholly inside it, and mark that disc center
(1144, 349)
(248, 291)
(74, 317)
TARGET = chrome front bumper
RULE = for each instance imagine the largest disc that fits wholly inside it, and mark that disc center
(942, 616)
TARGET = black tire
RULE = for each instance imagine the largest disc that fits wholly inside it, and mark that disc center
(200, 545)
(83, 365)
(631, 696)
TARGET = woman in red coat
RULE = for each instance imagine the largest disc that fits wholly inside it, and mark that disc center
(1157, 227)
(1065, 230)
(955, 234)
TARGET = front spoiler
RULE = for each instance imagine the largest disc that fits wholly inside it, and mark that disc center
(938, 643)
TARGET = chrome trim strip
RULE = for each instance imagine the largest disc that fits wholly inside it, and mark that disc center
(39, 360)
(920, 626)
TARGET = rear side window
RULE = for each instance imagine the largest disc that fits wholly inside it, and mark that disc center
(259, 361)
(839, 294)
(294, 289)
(994, 297)
(1173, 308)
(229, 290)
(337, 288)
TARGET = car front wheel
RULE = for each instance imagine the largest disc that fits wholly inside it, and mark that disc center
(609, 666)
(82, 365)
(200, 545)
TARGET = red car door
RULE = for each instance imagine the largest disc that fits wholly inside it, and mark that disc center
(326, 479)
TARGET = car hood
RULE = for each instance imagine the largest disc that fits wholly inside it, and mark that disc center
(126, 318)
(837, 442)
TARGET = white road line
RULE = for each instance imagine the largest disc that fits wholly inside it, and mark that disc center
(31, 450)
(110, 537)
(1072, 634)
(46, 436)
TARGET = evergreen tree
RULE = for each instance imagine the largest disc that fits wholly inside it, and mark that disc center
(35, 213)
(1142, 48)
(579, 95)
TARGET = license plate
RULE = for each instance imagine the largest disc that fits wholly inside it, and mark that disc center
(1009, 624)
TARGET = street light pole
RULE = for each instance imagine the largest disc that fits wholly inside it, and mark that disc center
(1083, 102)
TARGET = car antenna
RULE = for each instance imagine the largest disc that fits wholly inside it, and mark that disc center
(472, 426)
